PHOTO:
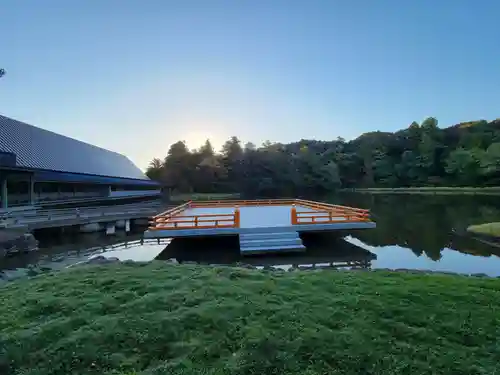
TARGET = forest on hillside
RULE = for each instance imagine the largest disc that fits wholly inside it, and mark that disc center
(466, 154)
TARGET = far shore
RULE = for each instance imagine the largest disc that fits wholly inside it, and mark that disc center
(430, 190)
(183, 197)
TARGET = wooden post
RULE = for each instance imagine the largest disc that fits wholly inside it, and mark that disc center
(237, 217)
(294, 214)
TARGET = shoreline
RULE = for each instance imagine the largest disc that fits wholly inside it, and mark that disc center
(487, 232)
(184, 197)
(427, 190)
(102, 260)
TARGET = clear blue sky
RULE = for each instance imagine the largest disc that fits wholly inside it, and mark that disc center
(136, 76)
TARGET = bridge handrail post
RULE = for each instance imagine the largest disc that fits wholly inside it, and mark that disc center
(293, 214)
(237, 217)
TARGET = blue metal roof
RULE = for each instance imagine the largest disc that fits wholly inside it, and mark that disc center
(81, 178)
(41, 149)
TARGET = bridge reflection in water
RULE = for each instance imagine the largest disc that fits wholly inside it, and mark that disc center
(324, 250)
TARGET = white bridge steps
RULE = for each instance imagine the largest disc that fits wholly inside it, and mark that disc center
(268, 242)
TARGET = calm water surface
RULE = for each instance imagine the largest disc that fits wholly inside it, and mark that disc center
(428, 232)
(413, 232)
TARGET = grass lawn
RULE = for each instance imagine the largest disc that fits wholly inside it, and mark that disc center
(489, 229)
(203, 196)
(169, 319)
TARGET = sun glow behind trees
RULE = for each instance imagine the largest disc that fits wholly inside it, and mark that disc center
(467, 154)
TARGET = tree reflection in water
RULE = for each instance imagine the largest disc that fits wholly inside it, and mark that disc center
(426, 224)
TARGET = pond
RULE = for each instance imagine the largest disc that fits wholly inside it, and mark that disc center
(428, 231)
(413, 232)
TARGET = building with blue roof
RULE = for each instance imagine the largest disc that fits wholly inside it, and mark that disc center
(38, 165)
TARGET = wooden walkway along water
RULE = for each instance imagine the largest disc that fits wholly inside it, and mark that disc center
(271, 225)
(40, 219)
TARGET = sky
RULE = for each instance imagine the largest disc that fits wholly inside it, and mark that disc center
(135, 76)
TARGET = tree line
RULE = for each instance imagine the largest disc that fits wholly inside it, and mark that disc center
(466, 154)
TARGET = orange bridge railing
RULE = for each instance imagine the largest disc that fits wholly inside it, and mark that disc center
(177, 218)
(325, 213)
(301, 212)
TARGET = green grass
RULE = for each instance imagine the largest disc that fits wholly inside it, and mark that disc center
(434, 190)
(489, 229)
(203, 196)
(169, 319)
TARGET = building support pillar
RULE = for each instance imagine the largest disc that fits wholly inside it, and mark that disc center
(110, 228)
(4, 192)
(32, 190)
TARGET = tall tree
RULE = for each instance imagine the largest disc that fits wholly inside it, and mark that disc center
(155, 170)
(490, 164)
(178, 167)
(464, 165)
(207, 150)
(232, 160)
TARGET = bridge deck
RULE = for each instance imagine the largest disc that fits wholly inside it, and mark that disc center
(235, 217)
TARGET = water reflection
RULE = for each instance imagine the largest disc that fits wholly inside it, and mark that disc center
(432, 228)
(324, 250)
(57, 247)
(59, 250)
(137, 251)
(413, 232)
